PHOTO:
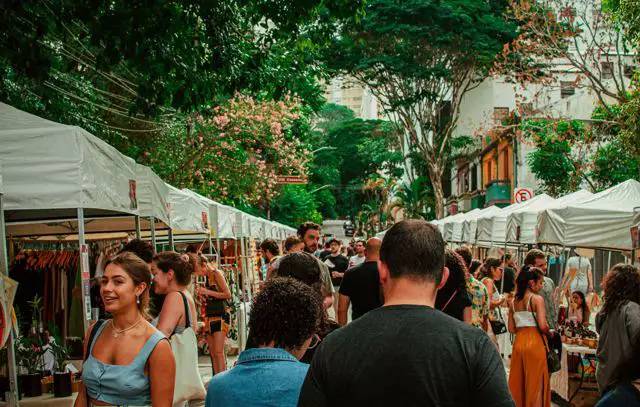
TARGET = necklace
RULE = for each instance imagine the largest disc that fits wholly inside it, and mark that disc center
(117, 332)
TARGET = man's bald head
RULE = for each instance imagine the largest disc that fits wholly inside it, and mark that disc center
(372, 251)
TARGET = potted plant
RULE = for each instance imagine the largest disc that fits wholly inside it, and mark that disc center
(29, 354)
(61, 378)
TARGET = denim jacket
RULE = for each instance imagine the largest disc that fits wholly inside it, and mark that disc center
(261, 377)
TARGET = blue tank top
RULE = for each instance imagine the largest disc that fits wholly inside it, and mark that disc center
(120, 385)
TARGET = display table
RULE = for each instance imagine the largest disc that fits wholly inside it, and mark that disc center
(46, 400)
(560, 379)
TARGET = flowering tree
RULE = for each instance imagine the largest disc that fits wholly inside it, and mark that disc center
(234, 152)
(572, 36)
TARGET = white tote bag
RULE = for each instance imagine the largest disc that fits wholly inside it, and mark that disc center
(189, 384)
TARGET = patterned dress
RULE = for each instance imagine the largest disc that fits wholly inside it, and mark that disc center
(479, 301)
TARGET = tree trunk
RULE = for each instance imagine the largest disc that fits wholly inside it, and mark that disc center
(435, 176)
(439, 197)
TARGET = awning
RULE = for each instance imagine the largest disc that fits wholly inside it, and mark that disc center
(51, 169)
(152, 195)
(188, 214)
(470, 225)
(521, 224)
(604, 221)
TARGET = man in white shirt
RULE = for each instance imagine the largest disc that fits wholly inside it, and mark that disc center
(359, 257)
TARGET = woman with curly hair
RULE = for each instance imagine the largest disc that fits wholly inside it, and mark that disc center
(618, 324)
(284, 319)
(453, 298)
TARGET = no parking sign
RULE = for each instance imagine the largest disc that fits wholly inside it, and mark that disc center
(522, 194)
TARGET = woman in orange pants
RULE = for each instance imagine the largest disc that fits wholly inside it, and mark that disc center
(528, 375)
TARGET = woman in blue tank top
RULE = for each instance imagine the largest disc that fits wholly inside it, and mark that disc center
(128, 361)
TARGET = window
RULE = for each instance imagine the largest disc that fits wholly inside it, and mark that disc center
(500, 114)
(606, 70)
(567, 89)
(629, 70)
(474, 178)
(505, 164)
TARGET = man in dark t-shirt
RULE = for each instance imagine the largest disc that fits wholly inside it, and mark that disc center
(361, 285)
(336, 262)
(508, 275)
(406, 353)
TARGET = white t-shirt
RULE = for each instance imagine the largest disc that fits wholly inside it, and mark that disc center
(356, 260)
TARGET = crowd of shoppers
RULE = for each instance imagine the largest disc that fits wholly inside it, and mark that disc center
(415, 324)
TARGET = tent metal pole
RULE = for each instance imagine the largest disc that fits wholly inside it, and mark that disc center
(504, 258)
(172, 245)
(84, 271)
(152, 220)
(12, 395)
(138, 231)
(219, 253)
(210, 244)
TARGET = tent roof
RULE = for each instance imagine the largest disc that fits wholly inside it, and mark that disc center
(602, 221)
(188, 213)
(152, 194)
(51, 169)
(526, 217)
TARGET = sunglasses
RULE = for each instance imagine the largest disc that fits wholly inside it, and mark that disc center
(315, 341)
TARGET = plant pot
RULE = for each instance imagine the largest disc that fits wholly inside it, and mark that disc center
(61, 384)
(31, 384)
(4, 386)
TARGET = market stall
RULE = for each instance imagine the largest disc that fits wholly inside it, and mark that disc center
(601, 222)
(447, 225)
(492, 228)
(470, 225)
(153, 203)
(521, 223)
(59, 176)
(458, 225)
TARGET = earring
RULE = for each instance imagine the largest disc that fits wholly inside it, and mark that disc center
(137, 299)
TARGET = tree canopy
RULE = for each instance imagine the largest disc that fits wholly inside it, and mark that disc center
(420, 57)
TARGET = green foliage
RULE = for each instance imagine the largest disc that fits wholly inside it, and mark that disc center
(552, 162)
(163, 53)
(29, 354)
(567, 153)
(295, 205)
(613, 164)
(419, 57)
(349, 151)
(415, 199)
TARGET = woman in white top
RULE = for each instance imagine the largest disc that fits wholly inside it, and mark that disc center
(579, 276)
(529, 375)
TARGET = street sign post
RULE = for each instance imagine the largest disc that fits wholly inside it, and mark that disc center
(291, 179)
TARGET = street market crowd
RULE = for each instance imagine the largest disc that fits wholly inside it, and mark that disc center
(422, 328)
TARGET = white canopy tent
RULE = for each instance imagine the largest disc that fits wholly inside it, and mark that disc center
(447, 225)
(521, 223)
(152, 195)
(492, 230)
(55, 175)
(470, 225)
(602, 221)
(51, 170)
(189, 215)
(458, 224)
